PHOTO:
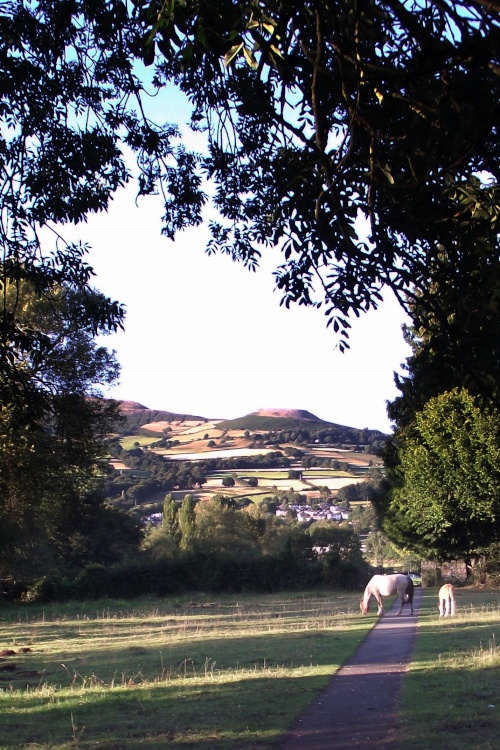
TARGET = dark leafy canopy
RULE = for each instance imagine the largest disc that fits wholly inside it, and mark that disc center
(455, 334)
(52, 515)
(53, 357)
(443, 459)
(323, 114)
(332, 112)
(69, 102)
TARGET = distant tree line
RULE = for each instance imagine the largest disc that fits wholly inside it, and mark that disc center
(216, 546)
(334, 435)
(272, 460)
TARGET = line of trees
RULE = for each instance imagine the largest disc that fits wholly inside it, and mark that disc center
(215, 545)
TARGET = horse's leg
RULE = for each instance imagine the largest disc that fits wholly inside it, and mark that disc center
(380, 610)
(448, 606)
(402, 601)
(441, 606)
(453, 608)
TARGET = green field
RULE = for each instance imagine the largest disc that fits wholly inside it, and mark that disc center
(309, 473)
(450, 699)
(245, 473)
(136, 675)
(127, 443)
(144, 674)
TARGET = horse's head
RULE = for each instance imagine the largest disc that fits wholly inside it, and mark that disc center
(364, 606)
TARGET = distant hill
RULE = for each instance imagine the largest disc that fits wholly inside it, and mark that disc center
(275, 420)
(136, 415)
(266, 423)
(130, 406)
(264, 420)
(287, 414)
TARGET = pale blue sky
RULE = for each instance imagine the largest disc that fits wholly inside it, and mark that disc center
(205, 336)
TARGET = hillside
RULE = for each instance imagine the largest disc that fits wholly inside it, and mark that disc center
(266, 423)
(270, 456)
(137, 416)
(288, 413)
(143, 420)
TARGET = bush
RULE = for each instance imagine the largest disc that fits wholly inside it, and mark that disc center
(54, 589)
(430, 578)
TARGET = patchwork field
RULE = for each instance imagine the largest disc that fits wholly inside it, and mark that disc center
(195, 440)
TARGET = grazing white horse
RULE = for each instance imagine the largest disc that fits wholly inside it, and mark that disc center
(447, 605)
(379, 586)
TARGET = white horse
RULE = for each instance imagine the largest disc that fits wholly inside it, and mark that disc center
(380, 586)
(447, 605)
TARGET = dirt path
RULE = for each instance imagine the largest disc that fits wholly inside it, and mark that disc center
(359, 708)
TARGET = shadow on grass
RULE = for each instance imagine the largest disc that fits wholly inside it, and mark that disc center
(225, 713)
(154, 656)
(450, 694)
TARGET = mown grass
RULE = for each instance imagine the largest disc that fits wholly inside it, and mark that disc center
(260, 474)
(229, 673)
(232, 673)
(306, 473)
(128, 442)
(451, 693)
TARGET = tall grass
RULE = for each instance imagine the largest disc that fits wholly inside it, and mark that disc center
(451, 694)
(229, 673)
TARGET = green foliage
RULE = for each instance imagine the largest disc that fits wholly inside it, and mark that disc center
(379, 550)
(187, 521)
(171, 517)
(364, 519)
(455, 331)
(395, 108)
(395, 115)
(437, 452)
(341, 558)
(224, 547)
(52, 419)
(445, 502)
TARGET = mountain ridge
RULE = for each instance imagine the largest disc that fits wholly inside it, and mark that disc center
(268, 419)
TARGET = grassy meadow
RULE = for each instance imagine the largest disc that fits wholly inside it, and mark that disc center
(230, 672)
(451, 694)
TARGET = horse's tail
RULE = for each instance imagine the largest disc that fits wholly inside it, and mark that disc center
(409, 590)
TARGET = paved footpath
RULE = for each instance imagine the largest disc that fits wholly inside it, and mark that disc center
(358, 711)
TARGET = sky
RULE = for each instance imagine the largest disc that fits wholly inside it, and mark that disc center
(205, 336)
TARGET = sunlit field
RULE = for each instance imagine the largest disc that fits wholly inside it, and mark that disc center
(227, 672)
(231, 673)
(451, 696)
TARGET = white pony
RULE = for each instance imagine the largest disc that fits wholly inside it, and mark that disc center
(447, 604)
(379, 586)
